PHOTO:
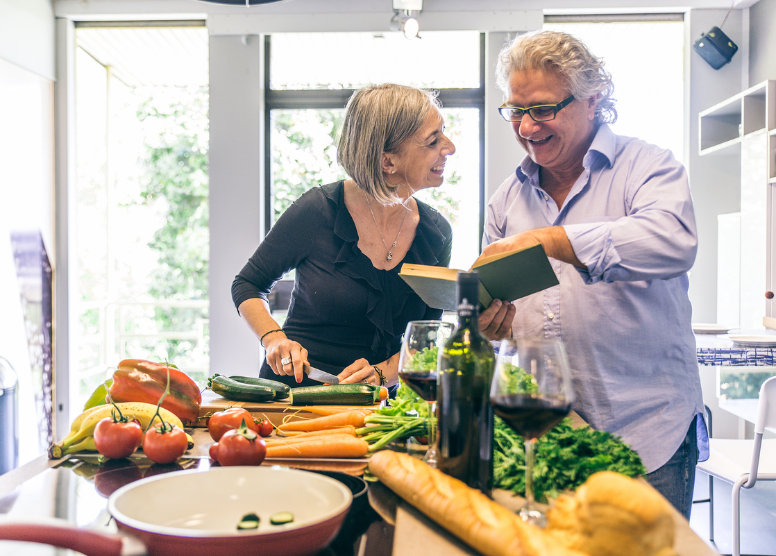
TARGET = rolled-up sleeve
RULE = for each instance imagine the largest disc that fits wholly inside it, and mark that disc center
(657, 239)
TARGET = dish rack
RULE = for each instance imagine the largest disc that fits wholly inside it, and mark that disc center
(736, 356)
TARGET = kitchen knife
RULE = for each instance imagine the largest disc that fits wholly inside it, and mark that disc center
(320, 376)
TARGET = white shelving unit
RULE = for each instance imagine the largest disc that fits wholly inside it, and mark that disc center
(745, 125)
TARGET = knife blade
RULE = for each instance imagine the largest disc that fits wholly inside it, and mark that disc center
(321, 376)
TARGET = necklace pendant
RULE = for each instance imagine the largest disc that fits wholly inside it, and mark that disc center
(389, 256)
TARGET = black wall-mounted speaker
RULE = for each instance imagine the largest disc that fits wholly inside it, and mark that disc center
(715, 47)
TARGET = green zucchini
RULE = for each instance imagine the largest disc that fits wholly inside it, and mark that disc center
(281, 518)
(281, 390)
(238, 391)
(336, 394)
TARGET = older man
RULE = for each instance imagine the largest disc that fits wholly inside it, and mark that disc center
(615, 216)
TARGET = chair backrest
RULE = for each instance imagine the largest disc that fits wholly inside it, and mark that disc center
(766, 408)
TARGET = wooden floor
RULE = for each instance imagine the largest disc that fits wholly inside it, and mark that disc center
(758, 516)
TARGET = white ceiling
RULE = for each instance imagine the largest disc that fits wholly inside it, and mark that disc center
(145, 56)
(115, 9)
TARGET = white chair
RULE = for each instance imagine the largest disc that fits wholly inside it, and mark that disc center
(744, 462)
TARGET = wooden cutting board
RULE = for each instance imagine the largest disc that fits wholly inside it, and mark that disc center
(277, 412)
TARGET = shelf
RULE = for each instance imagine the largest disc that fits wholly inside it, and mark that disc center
(725, 148)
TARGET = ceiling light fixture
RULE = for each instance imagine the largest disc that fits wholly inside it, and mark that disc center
(405, 17)
(246, 3)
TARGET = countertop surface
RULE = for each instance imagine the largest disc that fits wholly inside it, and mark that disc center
(76, 489)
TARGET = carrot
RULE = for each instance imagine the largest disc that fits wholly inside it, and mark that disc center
(354, 418)
(294, 440)
(331, 447)
(328, 409)
(350, 429)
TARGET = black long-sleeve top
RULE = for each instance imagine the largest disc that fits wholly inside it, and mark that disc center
(342, 307)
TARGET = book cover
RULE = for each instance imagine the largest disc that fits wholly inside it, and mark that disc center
(506, 276)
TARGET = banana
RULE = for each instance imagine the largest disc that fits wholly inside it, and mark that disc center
(88, 420)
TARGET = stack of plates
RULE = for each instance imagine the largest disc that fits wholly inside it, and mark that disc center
(703, 328)
(754, 340)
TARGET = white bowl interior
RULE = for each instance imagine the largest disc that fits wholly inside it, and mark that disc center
(213, 502)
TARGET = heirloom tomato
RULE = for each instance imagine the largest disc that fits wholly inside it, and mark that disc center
(229, 419)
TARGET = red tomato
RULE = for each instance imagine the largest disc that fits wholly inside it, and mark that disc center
(213, 451)
(230, 419)
(115, 439)
(241, 447)
(165, 445)
(265, 427)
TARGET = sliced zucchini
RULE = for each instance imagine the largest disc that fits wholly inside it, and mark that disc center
(281, 390)
(339, 394)
(281, 518)
(248, 522)
(238, 391)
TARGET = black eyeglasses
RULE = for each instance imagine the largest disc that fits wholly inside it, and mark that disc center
(540, 113)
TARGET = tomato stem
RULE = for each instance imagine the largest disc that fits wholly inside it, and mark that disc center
(163, 427)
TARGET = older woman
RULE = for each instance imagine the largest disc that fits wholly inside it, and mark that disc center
(347, 242)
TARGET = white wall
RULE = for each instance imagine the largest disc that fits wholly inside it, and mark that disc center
(714, 179)
(762, 53)
(26, 173)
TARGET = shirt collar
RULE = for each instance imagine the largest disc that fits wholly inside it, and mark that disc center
(604, 143)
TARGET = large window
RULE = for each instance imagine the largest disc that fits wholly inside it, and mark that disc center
(309, 80)
(646, 61)
(141, 216)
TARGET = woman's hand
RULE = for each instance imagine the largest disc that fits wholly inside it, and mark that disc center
(286, 357)
(359, 371)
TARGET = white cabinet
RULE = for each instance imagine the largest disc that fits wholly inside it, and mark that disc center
(745, 126)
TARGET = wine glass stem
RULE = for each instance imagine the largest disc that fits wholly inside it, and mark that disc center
(431, 426)
(529, 461)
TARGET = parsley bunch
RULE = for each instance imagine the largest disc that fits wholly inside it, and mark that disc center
(565, 458)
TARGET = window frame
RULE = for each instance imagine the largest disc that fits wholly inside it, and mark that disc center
(318, 99)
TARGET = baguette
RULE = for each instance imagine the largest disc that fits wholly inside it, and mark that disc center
(467, 513)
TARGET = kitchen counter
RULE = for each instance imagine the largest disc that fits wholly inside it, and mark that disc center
(76, 489)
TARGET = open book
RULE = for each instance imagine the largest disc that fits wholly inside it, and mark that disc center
(507, 276)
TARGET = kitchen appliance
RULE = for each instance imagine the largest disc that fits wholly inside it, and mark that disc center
(9, 417)
(196, 513)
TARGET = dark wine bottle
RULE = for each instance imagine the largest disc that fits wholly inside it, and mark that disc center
(465, 439)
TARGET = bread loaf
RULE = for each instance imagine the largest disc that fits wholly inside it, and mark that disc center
(613, 515)
(467, 513)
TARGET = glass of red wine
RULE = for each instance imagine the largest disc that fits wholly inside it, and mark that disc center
(422, 342)
(531, 392)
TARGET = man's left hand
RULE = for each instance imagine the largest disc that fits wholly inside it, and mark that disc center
(496, 320)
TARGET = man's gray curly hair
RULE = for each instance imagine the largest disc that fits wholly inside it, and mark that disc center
(565, 56)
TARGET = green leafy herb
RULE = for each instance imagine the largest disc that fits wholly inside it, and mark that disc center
(423, 360)
(519, 381)
(565, 457)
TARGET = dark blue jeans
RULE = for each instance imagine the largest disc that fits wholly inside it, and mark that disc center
(676, 479)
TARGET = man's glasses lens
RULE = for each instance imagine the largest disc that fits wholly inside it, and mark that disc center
(542, 113)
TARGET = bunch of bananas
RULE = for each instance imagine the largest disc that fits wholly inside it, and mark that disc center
(81, 435)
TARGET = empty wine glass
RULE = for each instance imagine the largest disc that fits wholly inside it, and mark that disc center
(418, 368)
(531, 392)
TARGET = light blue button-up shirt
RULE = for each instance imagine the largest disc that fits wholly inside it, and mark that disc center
(626, 320)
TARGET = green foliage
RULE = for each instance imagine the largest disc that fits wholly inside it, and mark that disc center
(565, 458)
(176, 182)
(742, 385)
(304, 155)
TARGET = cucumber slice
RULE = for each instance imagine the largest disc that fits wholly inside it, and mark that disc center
(281, 518)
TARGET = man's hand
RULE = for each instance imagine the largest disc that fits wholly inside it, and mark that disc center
(496, 320)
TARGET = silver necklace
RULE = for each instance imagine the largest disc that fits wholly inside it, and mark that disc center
(389, 256)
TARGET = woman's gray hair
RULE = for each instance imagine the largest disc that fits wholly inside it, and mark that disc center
(565, 56)
(378, 119)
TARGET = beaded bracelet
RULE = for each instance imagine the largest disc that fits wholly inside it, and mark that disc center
(380, 374)
(261, 340)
